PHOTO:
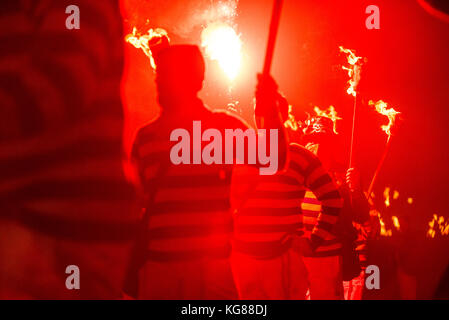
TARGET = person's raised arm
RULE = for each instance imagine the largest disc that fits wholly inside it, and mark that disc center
(359, 203)
(270, 105)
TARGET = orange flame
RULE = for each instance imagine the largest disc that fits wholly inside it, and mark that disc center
(390, 113)
(146, 41)
(329, 113)
(355, 64)
(395, 195)
(291, 121)
(387, 196)
(383, 230)
(223, 44)
(438, 224)
(396, 222)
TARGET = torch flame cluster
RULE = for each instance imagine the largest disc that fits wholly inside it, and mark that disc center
(390, 113)
(146, 41)
(438, 224)
(329, 113)
(354, 69)
(219, 38)
(395, 220)
(384, 232)
(383, 229)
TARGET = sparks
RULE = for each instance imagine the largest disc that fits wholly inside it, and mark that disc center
(329, 113)
(146, 41)
(390, 113)
(234, 107)
(355, 64)
(223, 44)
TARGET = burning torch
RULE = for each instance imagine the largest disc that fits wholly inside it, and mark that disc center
(354, 69)
(390, 113)
(152, 41)
(274, 26)
(265, 77)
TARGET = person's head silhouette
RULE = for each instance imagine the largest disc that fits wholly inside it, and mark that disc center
(179, 74)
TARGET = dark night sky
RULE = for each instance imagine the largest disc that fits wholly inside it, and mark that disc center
(407, 67)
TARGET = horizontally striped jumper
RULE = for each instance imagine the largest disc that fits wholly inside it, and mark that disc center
(311, 209)
(63, 192)
(268, 209)
(190, 217)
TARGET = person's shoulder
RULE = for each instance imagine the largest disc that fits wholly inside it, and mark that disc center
(149, 131)
(302, 151)
(297, 148)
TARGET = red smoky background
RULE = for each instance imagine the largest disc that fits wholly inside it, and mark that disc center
(64, 198)
(407, 66)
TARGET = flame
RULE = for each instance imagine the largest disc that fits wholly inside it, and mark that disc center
(396, 222)
(291, 121)
(438, 224)
(355, 64)
(382, 108)
(387, 196)
(152, 38)
(223, 44)
(329, 113)
(395, 194)
(383, 230)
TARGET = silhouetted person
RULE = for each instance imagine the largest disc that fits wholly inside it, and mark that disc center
(336, 258)
(187, 220)
(268, 223)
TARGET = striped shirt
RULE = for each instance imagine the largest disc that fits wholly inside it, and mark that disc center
(62, 118)
(268, 208)
(61, 122)
(311, 208)
(190, 216)
(353, 218)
